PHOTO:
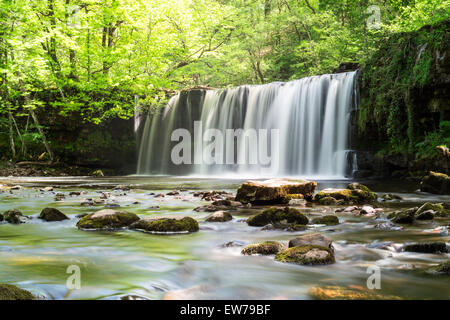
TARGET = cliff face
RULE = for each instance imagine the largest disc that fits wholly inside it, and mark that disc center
(404, 109)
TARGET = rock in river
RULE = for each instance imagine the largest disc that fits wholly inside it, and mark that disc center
(312, 239)
(426, 247)
(52, 214)
(167, 224)
(435, 182)
(442, 268)
(354, 193)
(10, 292)
(306, 255)
(274, 191)
(274, 215)
(107, 219)
(219, 216)
(263, 248)
(13, 216)
(329, 220)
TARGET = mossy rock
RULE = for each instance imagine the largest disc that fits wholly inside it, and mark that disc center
(276, 215)
(426, 215)
(274, 191)
(345, 293)
(167, 224)
(1, 217)
(329, 220)
(403, 217)
(442, 268)
(107, 219)
(52, 214)
(426, 247)
(306, 255)
(263, 248)
(437, 207)
(354, 193)
(10, 292)
(435, 182)
(13, 216)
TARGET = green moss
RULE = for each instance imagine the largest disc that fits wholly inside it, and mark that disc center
(264, 248)
(304, 255)
(329, 220)
(354, 192)
(276, 215)
(10, 292)
(185, 224)
(118, 219)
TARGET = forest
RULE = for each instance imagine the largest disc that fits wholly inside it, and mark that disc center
(88, 60)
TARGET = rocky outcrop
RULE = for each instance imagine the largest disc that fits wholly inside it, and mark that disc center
(167, 224)
(435, 182)
(263, 248)
(277, 215)
(107, 219)
(274, 191)
(52, 214)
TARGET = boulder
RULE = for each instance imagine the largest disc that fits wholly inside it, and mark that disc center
(52, 214)
(354, 193)
(314, 239)
(46, 189)
(426, 247)
(167, 224)
(329, 220)
(390, 196)
(403, 217)
(276, 215)
(13, 216)
(274, 191)
(207, 208)
(330, 201)
(107, 219)
(426, 215)
(10, 292)
(348, 293)
(434, 182)
(263, 248)
(306, 255)
(437, 207)
(442, 268)
(219, 216)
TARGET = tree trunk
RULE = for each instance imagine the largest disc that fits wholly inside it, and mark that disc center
(11, 136)
(41, 132)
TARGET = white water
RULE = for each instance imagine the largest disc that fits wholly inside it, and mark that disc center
(312, 115)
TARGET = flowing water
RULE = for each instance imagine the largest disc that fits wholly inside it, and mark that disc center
(117, 264)
(298, 128)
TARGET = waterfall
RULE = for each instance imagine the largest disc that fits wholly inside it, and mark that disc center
(304, 124)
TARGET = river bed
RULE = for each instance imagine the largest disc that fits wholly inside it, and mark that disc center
(128, 264)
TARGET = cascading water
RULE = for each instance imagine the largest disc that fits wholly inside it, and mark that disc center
(310, 117)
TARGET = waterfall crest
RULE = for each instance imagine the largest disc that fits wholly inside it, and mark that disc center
(311, 115)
